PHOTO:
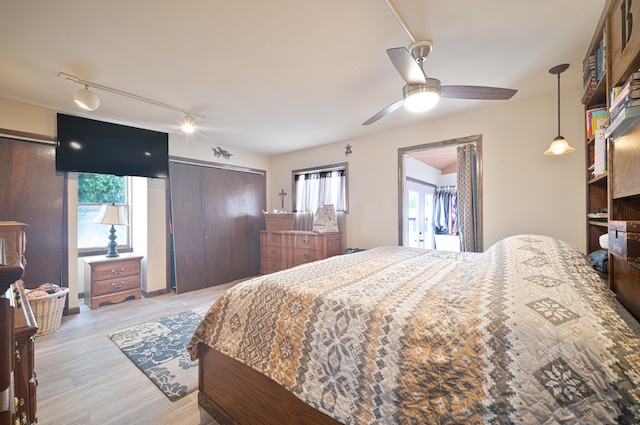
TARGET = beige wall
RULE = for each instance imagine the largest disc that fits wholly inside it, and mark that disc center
(524, 191)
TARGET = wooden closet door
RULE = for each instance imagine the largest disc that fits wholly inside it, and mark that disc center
(186, 214)
(32, 192)
(217, 221)
(228, 211)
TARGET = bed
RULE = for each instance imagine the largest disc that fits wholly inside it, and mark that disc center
(525, 332)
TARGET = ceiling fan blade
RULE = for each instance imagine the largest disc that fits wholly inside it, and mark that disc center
(386, 111)
(476, 92)
(406, 65)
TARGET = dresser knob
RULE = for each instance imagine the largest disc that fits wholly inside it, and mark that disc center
(306, 241)
(117, 285)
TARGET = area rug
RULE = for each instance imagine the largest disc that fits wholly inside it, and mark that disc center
(158, 349)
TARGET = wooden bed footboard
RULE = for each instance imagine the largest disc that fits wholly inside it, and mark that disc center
(235, 394)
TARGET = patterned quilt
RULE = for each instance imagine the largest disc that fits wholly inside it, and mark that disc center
(523, 333)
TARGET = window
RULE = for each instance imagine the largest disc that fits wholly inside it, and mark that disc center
(93, 191)
(320, 186)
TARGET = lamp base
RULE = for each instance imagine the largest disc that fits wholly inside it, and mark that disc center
(112, 245)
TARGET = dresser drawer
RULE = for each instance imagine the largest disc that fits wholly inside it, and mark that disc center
(111, 286)
(116, 269)
(271, 239)
(301, 256)
(305, 241)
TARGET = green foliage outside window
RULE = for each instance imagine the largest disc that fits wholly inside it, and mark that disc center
(101, 189)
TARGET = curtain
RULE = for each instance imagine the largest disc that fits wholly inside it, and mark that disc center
(467, 195)
(315, 189)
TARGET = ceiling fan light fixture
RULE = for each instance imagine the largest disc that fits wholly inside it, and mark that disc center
(188, 124)
(421, 97)
(86, 99)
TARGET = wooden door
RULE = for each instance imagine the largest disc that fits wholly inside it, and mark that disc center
(32, 192)
(217, 218)
(186, 215)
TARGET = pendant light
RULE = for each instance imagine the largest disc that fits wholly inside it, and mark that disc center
(559, 146)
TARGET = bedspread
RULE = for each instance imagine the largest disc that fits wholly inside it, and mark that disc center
(526, 332)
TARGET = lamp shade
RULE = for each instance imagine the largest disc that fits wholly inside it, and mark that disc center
(559, 146)
(111, 214)
(86, 99)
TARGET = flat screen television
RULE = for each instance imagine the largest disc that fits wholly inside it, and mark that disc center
(92, 146)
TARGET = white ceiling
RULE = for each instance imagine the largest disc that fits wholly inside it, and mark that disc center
(281, 75)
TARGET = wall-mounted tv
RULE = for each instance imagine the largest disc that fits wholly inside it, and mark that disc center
(92, 146)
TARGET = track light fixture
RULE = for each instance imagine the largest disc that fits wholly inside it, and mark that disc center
(188, 124)
(90, 101)
(86, 99)
(559, 146)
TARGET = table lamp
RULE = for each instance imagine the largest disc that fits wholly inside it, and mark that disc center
(113, 215)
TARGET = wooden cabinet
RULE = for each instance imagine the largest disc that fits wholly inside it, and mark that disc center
(282, 250)
(24, 373)
(16, 232)
(18, 380)
(618, 189)
(111, 279)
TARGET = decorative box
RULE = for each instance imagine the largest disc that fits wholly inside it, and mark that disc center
(624, 240)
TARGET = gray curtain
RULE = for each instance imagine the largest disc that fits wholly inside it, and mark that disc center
(467, 195)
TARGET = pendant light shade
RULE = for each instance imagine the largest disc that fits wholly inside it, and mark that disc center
(86, 99)
(559, 146)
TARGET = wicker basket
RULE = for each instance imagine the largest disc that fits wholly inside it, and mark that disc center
(48, 311)
(279, 222)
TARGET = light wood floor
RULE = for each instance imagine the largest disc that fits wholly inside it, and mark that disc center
(84, 379)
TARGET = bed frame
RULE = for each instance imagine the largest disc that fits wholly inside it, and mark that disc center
(235, 394)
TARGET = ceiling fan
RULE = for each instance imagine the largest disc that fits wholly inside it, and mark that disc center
(421, 93)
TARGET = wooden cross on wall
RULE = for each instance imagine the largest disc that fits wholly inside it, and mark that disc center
(282, 194)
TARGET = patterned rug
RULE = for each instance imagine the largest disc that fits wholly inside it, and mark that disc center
(158, 348)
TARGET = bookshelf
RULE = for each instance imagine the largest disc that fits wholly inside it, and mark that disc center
(616, 41)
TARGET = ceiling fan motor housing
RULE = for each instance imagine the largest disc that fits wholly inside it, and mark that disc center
(432, 85)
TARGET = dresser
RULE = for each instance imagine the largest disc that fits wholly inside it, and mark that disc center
(111, 280)
(281, 250)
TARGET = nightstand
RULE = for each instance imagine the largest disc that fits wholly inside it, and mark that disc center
(111, 279)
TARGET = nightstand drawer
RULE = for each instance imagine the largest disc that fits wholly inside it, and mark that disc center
(105, 287)
(116, 269)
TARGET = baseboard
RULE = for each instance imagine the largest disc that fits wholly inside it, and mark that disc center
(155, 293)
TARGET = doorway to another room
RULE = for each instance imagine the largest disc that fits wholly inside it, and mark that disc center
(440, 191)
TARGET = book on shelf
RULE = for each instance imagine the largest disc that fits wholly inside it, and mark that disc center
(600, 153)
(596, 118)
(628, 103)
(618, 94)
(593, 68)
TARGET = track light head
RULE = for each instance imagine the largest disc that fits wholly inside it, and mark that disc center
(188, 124)
(86, 99)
